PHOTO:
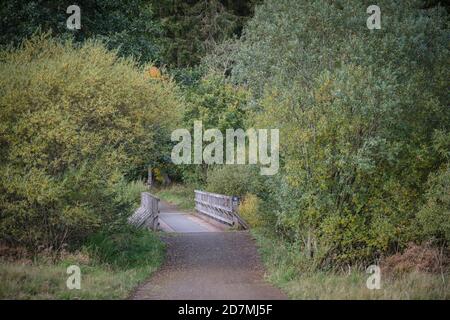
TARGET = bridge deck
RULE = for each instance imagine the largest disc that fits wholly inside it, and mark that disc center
(173, 220)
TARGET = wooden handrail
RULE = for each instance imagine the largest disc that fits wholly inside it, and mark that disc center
(147, 215)
(219, 207)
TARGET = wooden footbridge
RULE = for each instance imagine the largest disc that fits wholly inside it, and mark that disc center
(212, 208)
(203, 262)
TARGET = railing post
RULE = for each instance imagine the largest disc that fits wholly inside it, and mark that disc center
(235, 206)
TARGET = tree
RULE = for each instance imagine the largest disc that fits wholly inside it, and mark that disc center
(76, 123)
(128, 26)
(356, 108)
(193, 28)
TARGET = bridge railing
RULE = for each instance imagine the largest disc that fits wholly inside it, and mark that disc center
(219, 207)
(147, 215)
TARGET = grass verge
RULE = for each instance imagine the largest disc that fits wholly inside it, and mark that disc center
(286, 269)
(111, 267)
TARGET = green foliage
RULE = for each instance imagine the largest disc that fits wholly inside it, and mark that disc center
(76, 123)
(234, 180)
(249, 210)
(217, 105)
(357, 111)
(193, 28)
(170, 32)
(129, 248)
(127, 26)
(434, 216)
(363, 116)
(258, 203)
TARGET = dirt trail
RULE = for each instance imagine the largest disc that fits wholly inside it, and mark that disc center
(204, 263)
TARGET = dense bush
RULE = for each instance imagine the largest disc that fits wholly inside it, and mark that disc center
(249, 210)
(217, 105)
(234, 180)
(127, 26)
(76, 123)
(434, 215)
(192, 28)
(358, 112)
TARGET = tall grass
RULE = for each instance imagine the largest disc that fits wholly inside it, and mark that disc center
(113, 262)
(297, 275)
(131, 248)
(111, 267)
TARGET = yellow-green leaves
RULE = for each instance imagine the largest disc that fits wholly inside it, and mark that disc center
(74, 121)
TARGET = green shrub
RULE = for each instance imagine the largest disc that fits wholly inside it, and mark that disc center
(127, 248)
(249, 210)
(128, 26)
(217, 105)
(234, 180)
(76, 122)
(434, 216)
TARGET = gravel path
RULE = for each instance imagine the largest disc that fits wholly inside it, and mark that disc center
(203, 263)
